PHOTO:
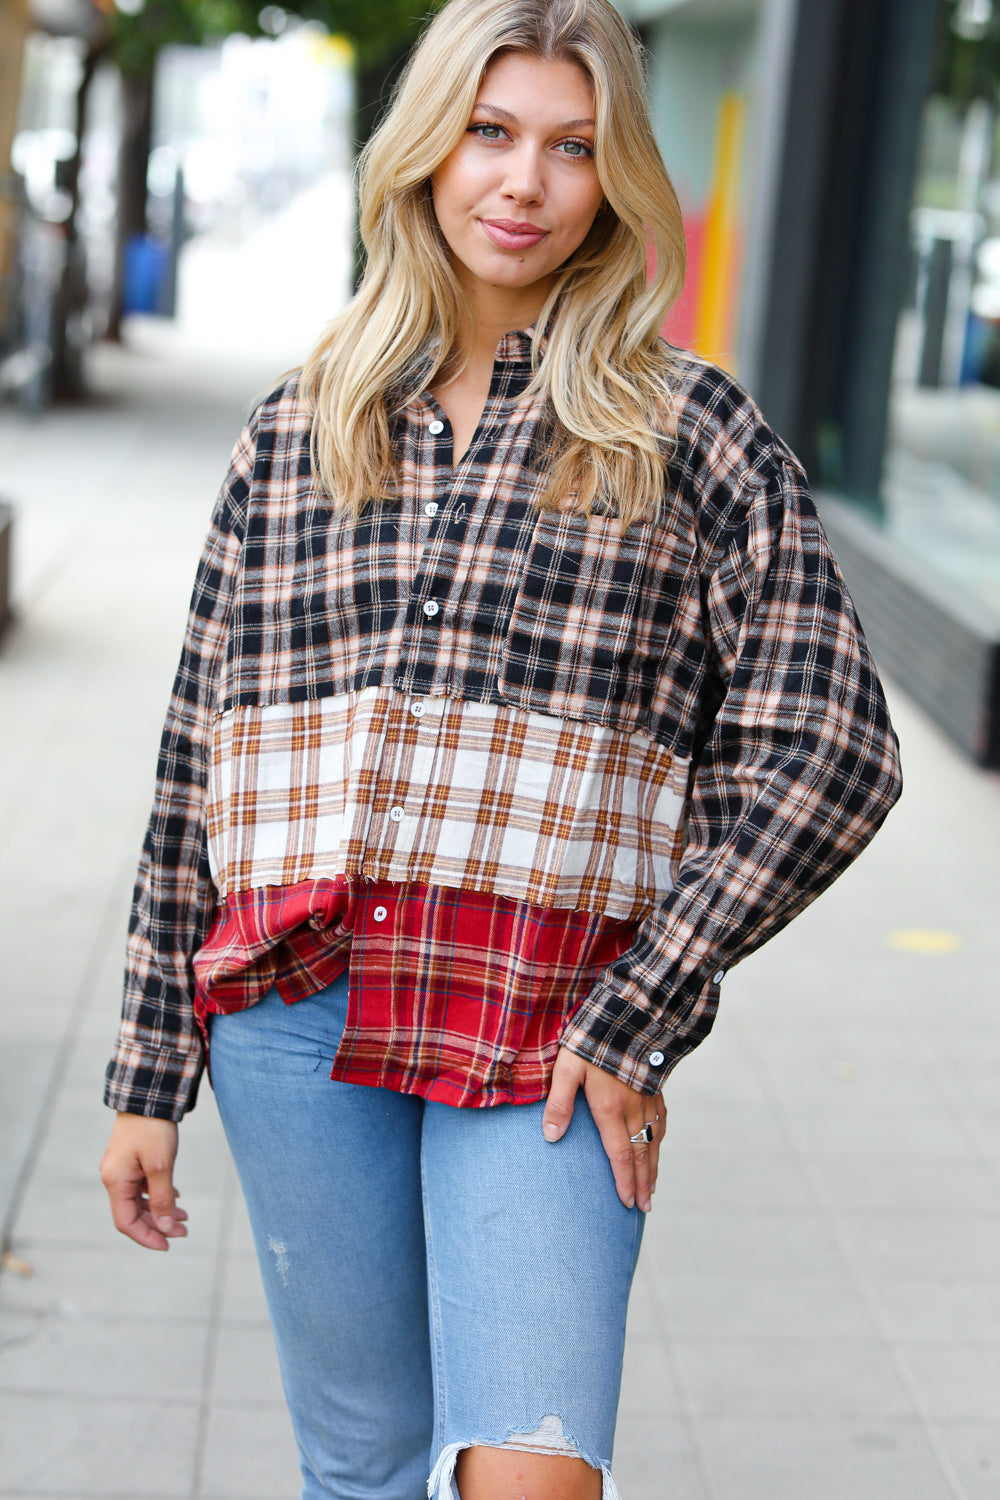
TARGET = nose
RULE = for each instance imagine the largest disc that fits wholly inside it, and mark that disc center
(524, 179)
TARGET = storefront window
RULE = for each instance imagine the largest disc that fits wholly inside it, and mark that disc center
(942, 485)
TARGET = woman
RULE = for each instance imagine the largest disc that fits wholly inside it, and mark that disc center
(520, 698)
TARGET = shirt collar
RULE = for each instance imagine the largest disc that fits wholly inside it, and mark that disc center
(515, 347)
(513, 353)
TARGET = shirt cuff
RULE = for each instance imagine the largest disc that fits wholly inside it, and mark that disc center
(162, 1084)
(641, 1048)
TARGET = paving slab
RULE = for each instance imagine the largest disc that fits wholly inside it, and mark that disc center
(117, 1450)
(250, 1453)
(771, 1459)
(784, 1378)
(974, 1450)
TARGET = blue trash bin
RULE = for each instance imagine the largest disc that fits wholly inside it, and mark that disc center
(147, 265)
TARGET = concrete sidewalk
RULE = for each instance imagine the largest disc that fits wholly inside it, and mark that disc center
(817, 1314)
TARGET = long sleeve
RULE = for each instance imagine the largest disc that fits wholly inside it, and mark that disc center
(158, 1058)
(798, 769)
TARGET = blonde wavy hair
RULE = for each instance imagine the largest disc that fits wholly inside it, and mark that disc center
(603, 371)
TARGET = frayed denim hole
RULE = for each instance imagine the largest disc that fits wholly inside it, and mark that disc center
(550, 1440)
(441, 1484)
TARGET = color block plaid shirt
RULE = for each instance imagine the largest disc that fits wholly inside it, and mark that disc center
(533, 779)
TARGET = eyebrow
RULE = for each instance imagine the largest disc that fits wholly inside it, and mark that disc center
(505, 115)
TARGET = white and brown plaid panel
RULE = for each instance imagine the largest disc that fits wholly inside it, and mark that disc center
(438, 792)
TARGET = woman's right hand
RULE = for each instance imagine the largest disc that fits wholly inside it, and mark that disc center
(138, 1171)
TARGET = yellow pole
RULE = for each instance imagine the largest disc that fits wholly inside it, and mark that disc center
(716, 290)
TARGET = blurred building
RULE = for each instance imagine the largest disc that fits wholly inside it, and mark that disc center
(14, 25)
(239, 130)
(43, 44)
(838, 164)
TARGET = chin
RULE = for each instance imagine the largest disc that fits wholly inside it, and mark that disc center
(512, 273)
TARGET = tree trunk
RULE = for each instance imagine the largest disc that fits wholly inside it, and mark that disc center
(133, 164)
(71, 299)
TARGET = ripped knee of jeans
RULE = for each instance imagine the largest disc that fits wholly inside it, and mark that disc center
(547, 1439)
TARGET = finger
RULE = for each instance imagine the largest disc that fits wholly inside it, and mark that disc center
(659, 1131)
(567, 1076)
(131, 1216)
(646, 1151)
(161, 1195)
(644, 1169)
(179, 1212)
(180, 1220)
(144, 1226)
(620, 1152)
(137, 1171)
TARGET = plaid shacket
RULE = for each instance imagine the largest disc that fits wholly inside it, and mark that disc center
(535, 780)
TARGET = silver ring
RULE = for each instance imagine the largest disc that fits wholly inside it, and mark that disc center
(644, 1137)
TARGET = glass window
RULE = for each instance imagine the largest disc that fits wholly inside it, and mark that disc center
(942, 484)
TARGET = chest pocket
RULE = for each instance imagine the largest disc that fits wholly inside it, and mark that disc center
(592, 619)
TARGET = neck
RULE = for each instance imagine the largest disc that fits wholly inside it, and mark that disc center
(496, 311)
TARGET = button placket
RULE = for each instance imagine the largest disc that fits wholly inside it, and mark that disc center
(426, 510)
(412, 773)
(447, 521)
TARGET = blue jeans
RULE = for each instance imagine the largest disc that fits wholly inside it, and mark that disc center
(436, 1277)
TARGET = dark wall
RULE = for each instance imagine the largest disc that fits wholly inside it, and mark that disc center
(839, 273)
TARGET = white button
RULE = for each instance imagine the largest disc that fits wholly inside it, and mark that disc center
(397, 814)
(656, 1059)
(431, 508)
(380, 913)
(417, 710)
(435, 427)
(718, 976)
(431, 608)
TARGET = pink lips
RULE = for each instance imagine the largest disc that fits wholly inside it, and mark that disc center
(513, 236)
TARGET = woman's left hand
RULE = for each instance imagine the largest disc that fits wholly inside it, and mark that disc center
(619, 1113)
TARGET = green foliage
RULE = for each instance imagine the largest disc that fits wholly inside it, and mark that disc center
(379, 29)
(968, 61)
(136, 39)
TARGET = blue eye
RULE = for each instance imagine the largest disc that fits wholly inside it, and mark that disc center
(578, 150)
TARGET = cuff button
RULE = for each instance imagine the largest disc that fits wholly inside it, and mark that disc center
(656, 1059)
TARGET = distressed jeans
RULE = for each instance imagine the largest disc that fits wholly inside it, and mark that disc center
(436, 1277)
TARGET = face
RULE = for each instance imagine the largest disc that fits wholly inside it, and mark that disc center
(520, 191)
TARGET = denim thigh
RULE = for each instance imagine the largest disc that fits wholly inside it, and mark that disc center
(361, 1200)
(530, 1261)
(331, 1177)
